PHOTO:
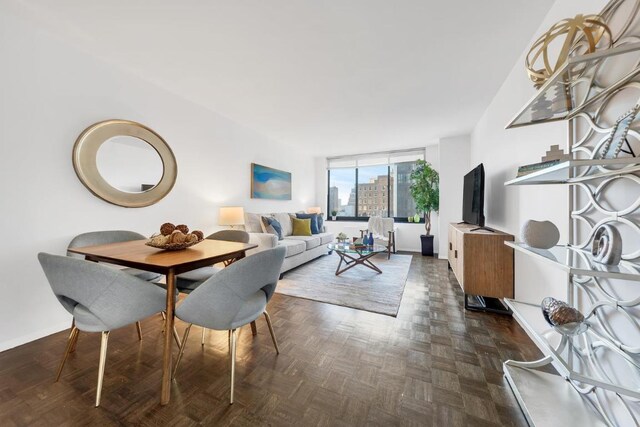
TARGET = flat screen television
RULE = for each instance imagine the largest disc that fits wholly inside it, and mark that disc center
(473, 197)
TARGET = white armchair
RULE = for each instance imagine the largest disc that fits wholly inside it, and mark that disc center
(384, 233)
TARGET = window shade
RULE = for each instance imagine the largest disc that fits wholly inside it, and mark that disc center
(375, 159)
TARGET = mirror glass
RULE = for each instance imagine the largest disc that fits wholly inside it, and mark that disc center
(129, 164)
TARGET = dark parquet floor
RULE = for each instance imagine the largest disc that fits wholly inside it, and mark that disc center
(434, 364)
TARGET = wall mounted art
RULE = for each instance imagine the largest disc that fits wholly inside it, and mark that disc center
(269, 183)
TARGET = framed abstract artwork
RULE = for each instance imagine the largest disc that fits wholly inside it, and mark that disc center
(269, 183)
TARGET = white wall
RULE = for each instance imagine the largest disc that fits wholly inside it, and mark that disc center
(50, 93)
(454, 164)
(408, 236)
(502, 151)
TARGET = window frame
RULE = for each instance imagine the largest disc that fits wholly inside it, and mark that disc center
(357, 218)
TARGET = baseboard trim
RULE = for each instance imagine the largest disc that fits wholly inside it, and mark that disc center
(25, 339)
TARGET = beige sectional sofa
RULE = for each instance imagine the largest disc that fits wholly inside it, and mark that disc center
(300, 249)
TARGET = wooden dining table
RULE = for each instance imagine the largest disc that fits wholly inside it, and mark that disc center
(136, 254)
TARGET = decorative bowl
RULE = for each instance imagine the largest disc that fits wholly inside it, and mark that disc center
(172, 246)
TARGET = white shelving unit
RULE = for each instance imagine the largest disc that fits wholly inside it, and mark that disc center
(574, 171)
(578, 262)
(600, 365)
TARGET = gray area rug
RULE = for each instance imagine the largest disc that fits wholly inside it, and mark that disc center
(359, 287)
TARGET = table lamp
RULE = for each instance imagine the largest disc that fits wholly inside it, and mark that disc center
(231, 215)
(314, 210)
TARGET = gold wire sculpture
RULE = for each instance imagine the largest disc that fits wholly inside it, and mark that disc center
(583, 34)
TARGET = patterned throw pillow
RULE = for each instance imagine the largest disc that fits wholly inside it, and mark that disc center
(301, 227)
(272, 226)
(320, 219)
(314, 221)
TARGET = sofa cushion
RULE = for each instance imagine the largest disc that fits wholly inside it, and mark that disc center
(252, 223)
(325, 238)
(285, 222)
(309, 241)
(294, 247)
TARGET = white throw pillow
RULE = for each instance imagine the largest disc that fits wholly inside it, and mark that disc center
(285, 222)
(252, 223)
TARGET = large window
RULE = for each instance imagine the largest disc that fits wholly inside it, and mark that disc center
(372, 185)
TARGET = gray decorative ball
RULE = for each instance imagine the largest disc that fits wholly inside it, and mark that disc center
(540, 234)
(607, 245)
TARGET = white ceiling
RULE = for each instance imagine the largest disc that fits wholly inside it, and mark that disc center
(336, 77)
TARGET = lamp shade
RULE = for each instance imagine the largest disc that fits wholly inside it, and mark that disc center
(314, 210)
(231, 215)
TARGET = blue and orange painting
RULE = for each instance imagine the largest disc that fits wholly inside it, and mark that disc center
(269, 183)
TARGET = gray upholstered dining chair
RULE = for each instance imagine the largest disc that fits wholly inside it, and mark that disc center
(105, 237)
(232, 298)
(100, 299)
(189, 281)
(112, 236)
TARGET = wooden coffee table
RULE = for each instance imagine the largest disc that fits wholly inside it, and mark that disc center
(353, 255)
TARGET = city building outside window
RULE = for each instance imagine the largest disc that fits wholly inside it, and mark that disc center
(372, 185)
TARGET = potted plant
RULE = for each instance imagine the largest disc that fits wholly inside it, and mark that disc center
(425, 190)
(334, 214)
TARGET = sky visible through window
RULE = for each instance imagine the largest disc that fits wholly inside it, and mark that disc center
(345, 179)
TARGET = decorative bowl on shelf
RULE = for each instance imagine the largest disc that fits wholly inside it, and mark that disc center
(174, 238)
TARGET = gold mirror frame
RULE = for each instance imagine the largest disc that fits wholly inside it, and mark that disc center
(85, 164)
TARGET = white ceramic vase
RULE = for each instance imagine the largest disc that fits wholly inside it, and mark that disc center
(540, 234)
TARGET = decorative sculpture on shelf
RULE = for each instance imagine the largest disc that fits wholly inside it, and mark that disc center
(583, 32)
(607, 245)
(555, 153)
(618, 136)
(540, 234)
(564, 318)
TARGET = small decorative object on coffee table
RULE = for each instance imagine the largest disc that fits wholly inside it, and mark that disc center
(342, 237)
(175, 237)
(353, 254)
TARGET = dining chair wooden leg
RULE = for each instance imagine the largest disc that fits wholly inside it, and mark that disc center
(70, 343)
(139, 329)
(254, 328)
(204, 331)
(234, 340)
(73, 345)
(273, 335)
(176, 337)
(103, 360)
(181, 352)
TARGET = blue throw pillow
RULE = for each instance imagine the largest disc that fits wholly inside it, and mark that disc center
(272, 226)
(314, 221)
(320, 222)
(276, 226)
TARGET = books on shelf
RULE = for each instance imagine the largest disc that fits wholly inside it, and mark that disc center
(534, 167)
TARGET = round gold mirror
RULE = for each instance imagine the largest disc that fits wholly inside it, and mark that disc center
(124, 163)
